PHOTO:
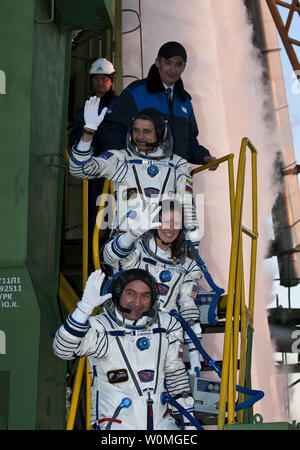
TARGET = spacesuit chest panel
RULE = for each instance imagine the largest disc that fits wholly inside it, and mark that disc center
(145, 178)
(130, 373)
(168, 275)
(132, 358)
(149, 178)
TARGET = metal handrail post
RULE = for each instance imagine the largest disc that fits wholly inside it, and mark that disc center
(75, 394)
(231, 290)
(236, 289)
(106, 189)
(236, 320)
(255, 230)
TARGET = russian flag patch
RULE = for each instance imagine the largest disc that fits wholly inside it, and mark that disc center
(106, 155)
(180, 353)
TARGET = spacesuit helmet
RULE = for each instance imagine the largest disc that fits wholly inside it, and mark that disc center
(164, 138)
(121, 279)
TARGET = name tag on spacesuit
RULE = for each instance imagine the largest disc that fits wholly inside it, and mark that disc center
(143, 332)
(117, 376)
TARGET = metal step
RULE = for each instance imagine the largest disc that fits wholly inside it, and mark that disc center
(206, 368)
(284, 316)
(209, 329)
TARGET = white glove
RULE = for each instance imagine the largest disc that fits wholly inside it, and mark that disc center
(91, 116)
(193, 235)
(142, 219)
(194, 357)
(91, 297)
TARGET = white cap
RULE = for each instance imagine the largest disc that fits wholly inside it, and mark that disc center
(102, 66)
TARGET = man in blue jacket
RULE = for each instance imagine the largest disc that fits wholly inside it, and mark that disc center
(162, 90)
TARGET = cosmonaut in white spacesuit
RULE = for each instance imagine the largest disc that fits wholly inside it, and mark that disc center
(133, 351)
(161, 249)
(147, 168)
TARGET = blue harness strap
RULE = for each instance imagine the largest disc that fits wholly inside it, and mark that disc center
(182, 411)
(255, 394)
(196, 341)
(217, 290)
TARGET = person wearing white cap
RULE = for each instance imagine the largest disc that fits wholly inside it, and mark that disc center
(102, 74)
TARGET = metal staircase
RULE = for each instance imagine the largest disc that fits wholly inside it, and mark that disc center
(284, 29)
(235, 313)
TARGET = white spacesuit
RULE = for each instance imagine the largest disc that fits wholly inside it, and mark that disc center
(177, 280)
(133, 362)
(177, 277)
(138, 176)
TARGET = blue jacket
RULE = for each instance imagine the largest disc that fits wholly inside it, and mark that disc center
(150, 93)
(109, 100)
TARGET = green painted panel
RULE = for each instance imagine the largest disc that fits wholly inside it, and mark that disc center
(4, 399)
(35, 59)
(35, 62)
(50, 79)
(20, 336)
(88, 15)
(16, 47)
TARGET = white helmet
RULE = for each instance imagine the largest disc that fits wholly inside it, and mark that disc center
(102, 66)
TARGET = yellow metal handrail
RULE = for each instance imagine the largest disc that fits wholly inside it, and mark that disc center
(236, 306)
(107, 188)
(85, 258)
(83, 362)
(67, 295)
(69, 298)
(75, 394)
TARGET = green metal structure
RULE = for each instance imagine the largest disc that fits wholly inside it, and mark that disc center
(35, 49)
